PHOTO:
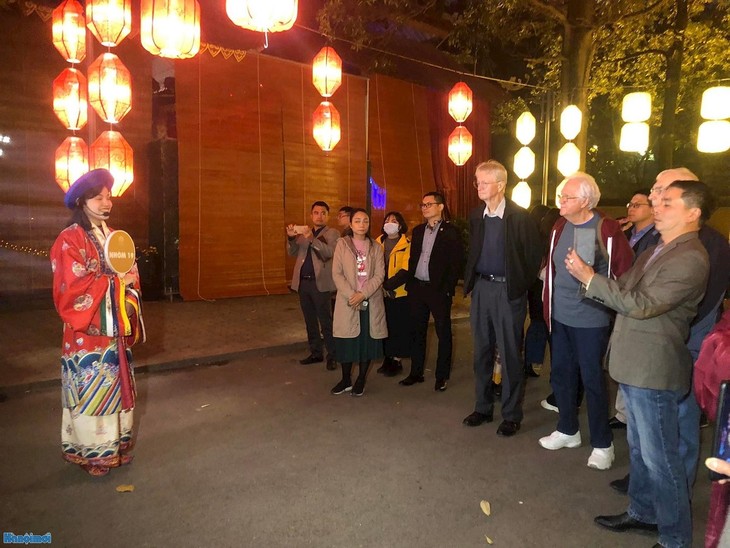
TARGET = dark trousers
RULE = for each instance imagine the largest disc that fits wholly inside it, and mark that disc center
(317, 310)
(577, 353)
(497, 319)
(425, 300)
(537, 336)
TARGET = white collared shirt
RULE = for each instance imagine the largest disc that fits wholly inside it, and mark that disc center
(499, 212)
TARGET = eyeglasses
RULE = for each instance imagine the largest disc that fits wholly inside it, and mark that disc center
(564, 198)
(656, 190)
(636, 205)
(477, 184)
(428, 204)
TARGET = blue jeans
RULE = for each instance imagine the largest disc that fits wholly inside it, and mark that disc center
(658, 490)
(577, 353)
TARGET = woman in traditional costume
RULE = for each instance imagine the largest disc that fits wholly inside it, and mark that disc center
(101, 313)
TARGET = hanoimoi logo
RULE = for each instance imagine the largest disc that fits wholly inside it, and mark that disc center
(27, 538)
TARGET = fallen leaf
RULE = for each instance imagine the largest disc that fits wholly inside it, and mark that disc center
(489, 540)
(125, 488)
(486, 507)
(204, 405)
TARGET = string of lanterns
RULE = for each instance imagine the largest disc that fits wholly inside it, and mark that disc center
(635, 111)
(571, 120)
(524, 161)
(327, 78)
(714, 133)
(460, 107)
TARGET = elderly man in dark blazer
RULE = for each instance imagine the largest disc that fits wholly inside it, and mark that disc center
(656, 300)
(505, 251)
(433, 268)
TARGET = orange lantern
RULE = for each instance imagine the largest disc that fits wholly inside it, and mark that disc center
(69, 31)
(326, 127)
(110, 88)
(460, 102)
(72, 161)
(171, 28)
(111, 151)
(263, 15)
(69, 99)
(460, 142)
(327, 71)
(109, 20)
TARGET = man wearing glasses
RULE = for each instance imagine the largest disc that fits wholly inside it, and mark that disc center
(505, 251)
(434, 267)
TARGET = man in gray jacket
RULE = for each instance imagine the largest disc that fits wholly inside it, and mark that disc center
(312, 279)
(656, 300)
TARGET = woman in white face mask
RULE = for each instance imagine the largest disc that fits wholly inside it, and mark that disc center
(397, 249)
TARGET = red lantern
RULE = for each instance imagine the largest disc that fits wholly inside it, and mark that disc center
(109, 20)
(110, 88)
(111, 151)
(263, 15)
(327, 71)
(171, 28)
(460, 142)
(326, 127)
(69, 99)
(460, 102)
(69, 31)
(72, 161)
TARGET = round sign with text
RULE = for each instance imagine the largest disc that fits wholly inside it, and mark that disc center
(119, 251)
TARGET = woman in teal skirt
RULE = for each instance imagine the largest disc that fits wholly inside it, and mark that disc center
(359, 325)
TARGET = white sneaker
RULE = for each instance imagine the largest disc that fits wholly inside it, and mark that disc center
(558, 440)
(550, 407)
(601, 459)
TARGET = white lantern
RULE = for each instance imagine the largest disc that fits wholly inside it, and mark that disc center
(522, 195)
(524, 163)
(716, 103)
(525, 128)
(568, 159)
(636, 107)
(714, 136)
(635, 137)
(570, 122)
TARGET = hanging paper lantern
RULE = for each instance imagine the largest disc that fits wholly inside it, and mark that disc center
(460, 102)
(570, 122)
(634, 137)
(714, 136)
(636, 107)
(327, 71)
(568, 159)
(460, 145)
(326, 127)
(263, 15)
(69, 99)
(522, 194)
(69, 31)
(716, 103)
(72, 161)
(111, 151)
(525, 128)
(171, 28)
(110, 21)
(110, 88)
(524, 164)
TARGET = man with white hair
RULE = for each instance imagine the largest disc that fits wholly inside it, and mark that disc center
(581, 327)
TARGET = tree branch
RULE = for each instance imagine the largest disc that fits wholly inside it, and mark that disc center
(661, 52)
(638, 13)
(552, 11)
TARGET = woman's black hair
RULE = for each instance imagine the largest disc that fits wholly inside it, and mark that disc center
(78, 216)
(403, 226)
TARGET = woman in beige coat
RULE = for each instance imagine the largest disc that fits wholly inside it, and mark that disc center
(359, 324)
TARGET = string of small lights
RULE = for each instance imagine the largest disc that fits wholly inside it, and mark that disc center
(23, 249)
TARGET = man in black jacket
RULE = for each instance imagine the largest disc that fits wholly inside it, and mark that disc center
(433, 267)
(505, 252)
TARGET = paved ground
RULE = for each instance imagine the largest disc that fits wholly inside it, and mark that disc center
(255, 452)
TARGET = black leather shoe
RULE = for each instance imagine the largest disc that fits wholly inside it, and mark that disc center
(477, 418)
(410, 380)
(497, 389)
(440, 385)
(508, 428)
(311, 359)
(331, 364)
(621, 485)
(395, 368)
(624, 522)
(386, 364)
(616, 424)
